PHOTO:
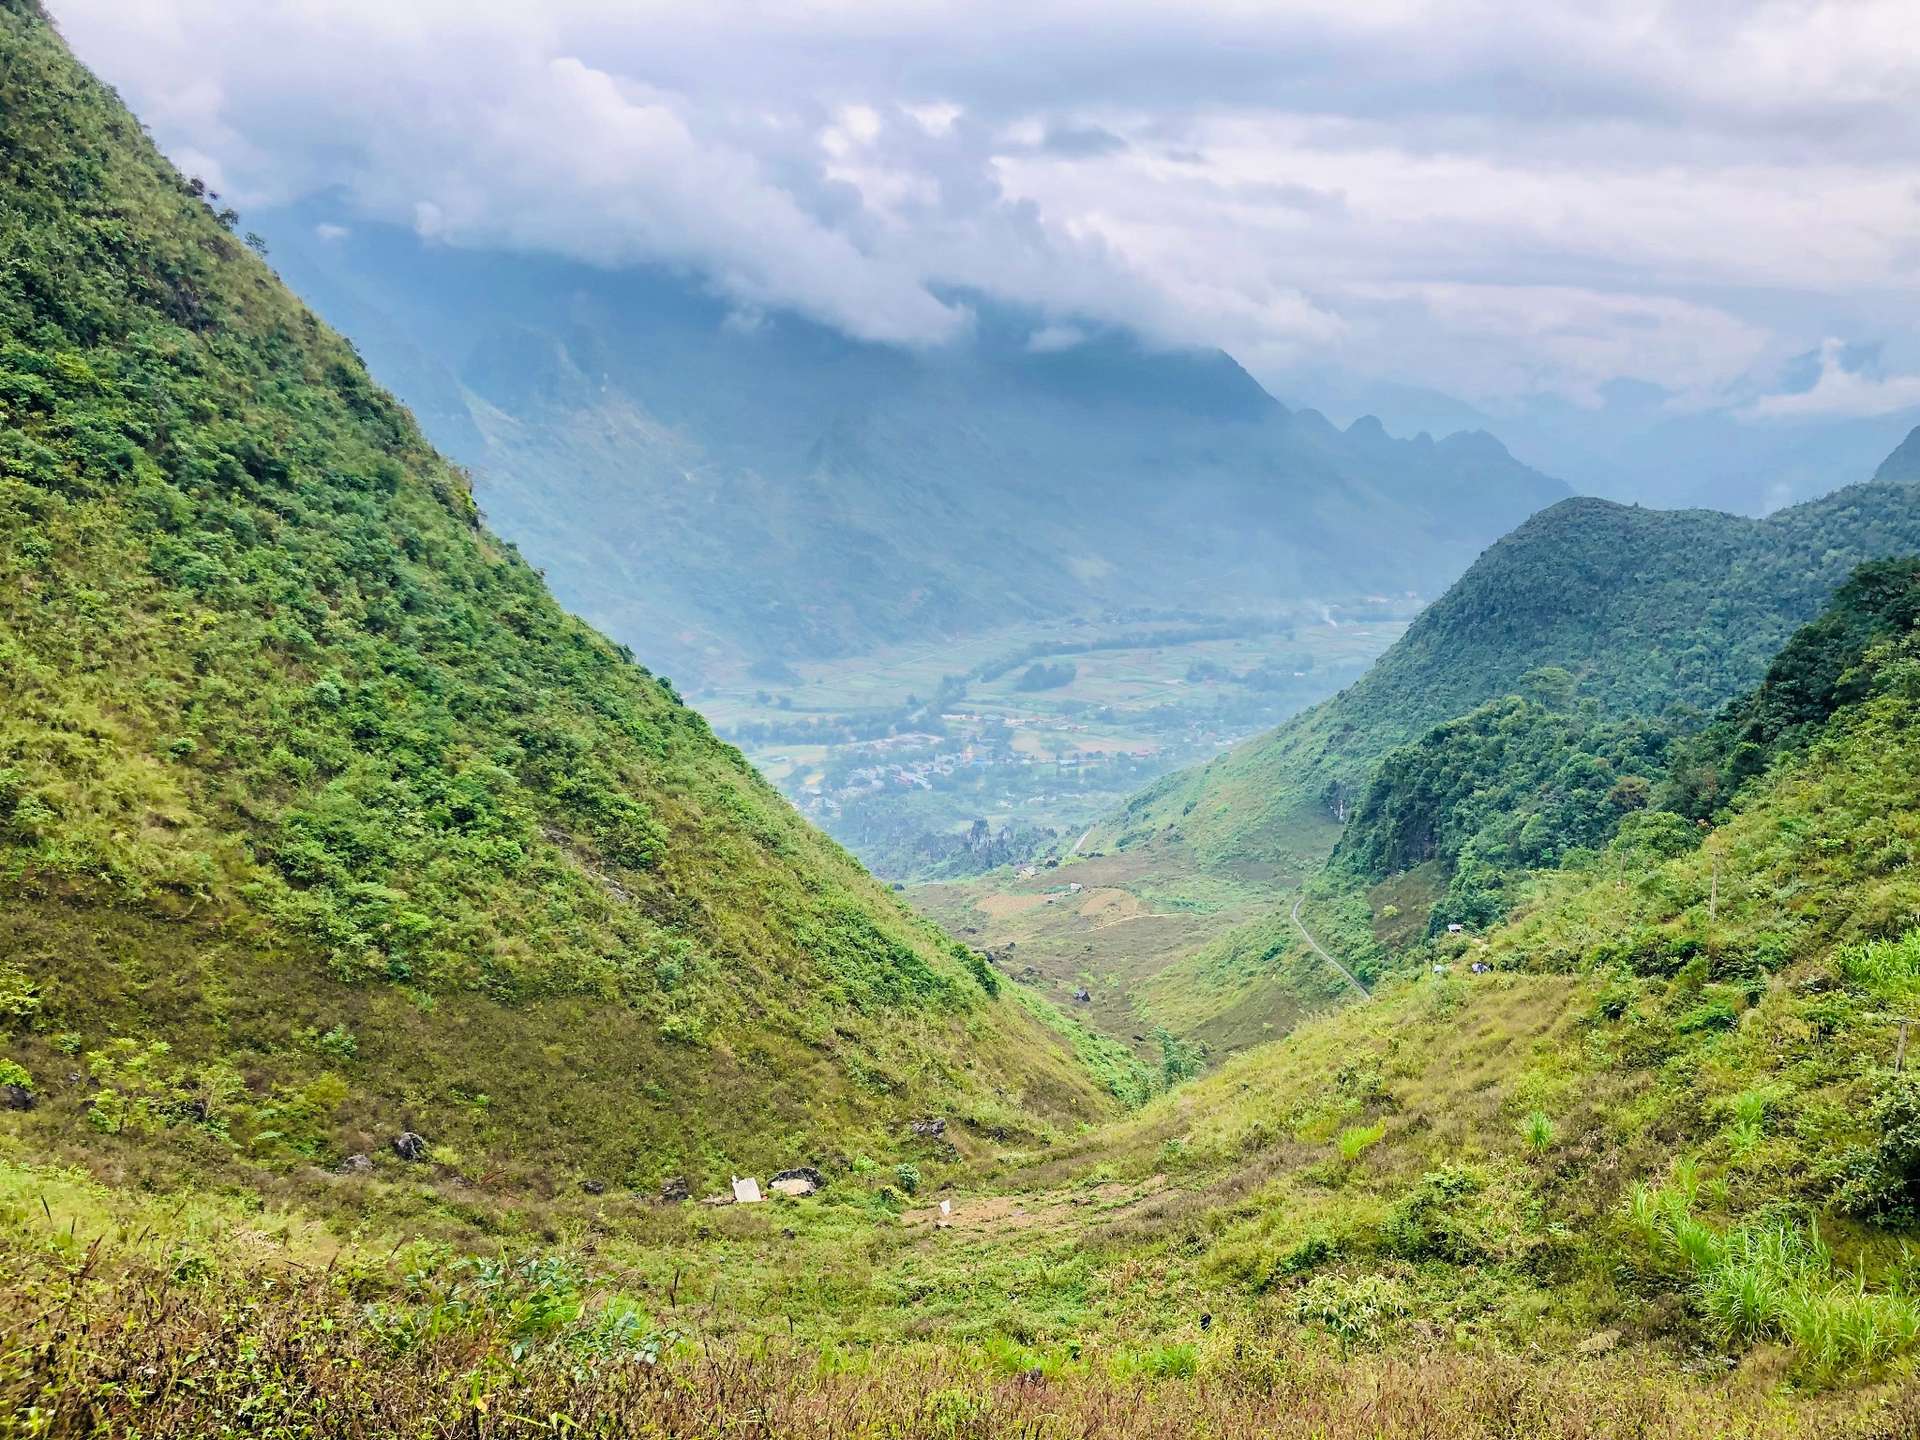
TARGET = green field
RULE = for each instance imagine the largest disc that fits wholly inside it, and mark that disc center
(899, 752)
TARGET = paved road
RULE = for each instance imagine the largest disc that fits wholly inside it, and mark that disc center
(1321, 951)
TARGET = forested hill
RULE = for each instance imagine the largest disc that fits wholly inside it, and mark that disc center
(707, 489)
(320, 821)
(1645, 609)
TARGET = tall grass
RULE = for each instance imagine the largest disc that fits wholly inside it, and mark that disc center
(144, 1351)
(1774, 1280)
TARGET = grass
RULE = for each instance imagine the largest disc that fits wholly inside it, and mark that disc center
(108, 1342)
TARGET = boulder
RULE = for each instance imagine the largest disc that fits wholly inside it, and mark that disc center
(409, 1146)
(18, 1097)
(931, 1128)
(594, 1187)
(803, 1181)
(356, 1164)
(675, 1190)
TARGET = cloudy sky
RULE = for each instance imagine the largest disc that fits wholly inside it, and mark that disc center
(1497, 198)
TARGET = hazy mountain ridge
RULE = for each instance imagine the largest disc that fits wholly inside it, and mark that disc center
(709, 485)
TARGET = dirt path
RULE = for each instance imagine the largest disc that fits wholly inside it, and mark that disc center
(1081, 841)
(1321, 951)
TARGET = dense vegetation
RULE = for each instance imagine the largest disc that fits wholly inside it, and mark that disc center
(1824, 667)
(320, 821)
(1649, 611)
(1508, 787)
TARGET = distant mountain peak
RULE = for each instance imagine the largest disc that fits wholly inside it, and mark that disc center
(1903, 464)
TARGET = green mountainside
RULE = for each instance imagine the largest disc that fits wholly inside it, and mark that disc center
(712, 491)
(1644, 1159)
(320, 821)
(1647, 610)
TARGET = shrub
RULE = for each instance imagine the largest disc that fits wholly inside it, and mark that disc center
(1356, 1310)
(1431, 1222)
(907, 1177)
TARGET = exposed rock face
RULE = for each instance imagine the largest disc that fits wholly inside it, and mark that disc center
(409, 1146)
(931, 1128)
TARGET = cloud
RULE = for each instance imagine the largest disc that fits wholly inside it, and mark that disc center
(1493, 198)
(1840, 390)
(1051, 339)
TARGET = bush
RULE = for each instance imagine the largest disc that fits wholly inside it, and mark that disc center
(1356, 1310)
(1432, 1221)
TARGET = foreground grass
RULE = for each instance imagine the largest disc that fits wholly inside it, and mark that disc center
(108, 1343)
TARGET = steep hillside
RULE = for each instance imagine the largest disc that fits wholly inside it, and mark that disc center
(1647, 610)
(711, 487)
(320, 821)
(1644, 1160)
(1664, 1104)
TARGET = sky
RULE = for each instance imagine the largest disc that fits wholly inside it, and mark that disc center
(1501, 201)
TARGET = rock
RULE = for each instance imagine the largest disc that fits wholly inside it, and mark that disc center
(409, 1146)
(675, 1190)
(746, 1190)
(726, 1199)
(813, 1178)
(18, 1097)
(1083, 995)
(356, 1164)
(931, 1128)
(594, 1187)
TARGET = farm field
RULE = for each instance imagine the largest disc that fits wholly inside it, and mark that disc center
(940, 761)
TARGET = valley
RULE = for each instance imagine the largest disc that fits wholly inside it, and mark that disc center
(1088, 951)
(939, 760)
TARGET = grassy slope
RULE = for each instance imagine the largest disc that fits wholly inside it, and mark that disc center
(1661, 1138)
(1670, 1111)
(304, 774)
(1648, 608)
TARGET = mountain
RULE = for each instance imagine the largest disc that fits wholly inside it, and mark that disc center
(1635, 445)
(713, 487)
(1643, 611)
(321, 822)
(1643, 1160)
(1665, 1104)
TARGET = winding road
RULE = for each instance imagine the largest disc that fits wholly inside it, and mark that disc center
(1324, 954)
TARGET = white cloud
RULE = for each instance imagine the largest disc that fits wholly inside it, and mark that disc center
(1840, 392)
(1491, 197)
